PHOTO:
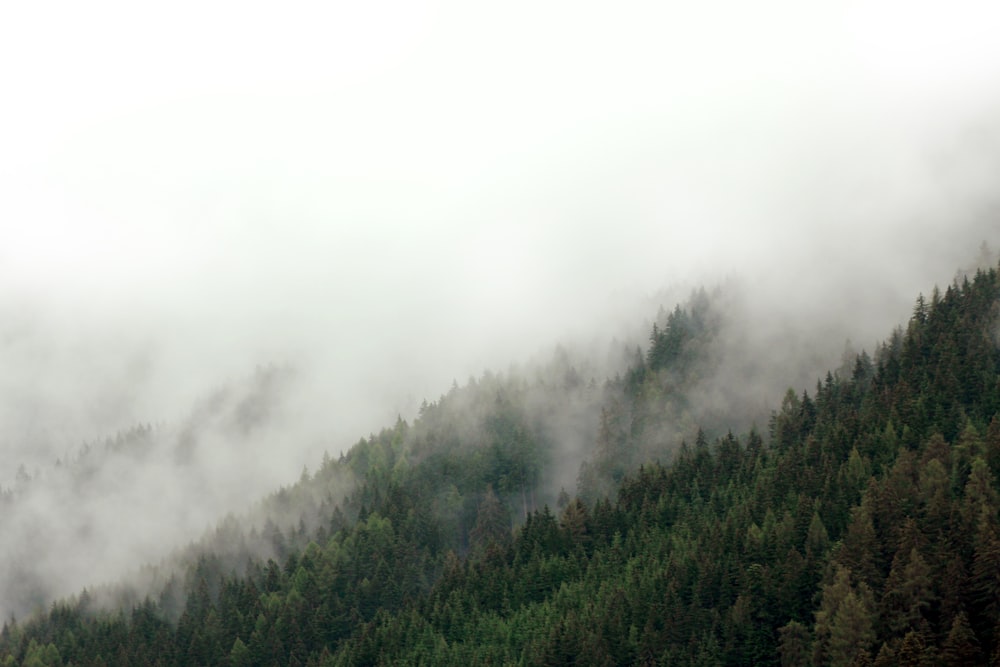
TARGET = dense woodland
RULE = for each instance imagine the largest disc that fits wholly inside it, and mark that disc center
(860, 525)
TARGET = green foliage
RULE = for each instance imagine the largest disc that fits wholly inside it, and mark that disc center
(865, 531)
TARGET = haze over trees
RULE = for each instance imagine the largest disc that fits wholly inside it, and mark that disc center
(623, 297)
(858, 523)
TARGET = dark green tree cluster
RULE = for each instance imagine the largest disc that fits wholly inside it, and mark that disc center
(864, 529)
(646, 413)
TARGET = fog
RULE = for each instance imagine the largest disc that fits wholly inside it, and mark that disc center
(392, 196)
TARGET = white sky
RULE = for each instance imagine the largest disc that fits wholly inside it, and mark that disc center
(399, 193)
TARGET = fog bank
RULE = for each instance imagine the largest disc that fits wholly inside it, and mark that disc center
(392, 197)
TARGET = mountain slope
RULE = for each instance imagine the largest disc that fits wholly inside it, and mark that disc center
(864, 530)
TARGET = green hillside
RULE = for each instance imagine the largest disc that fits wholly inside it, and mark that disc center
(862, 528)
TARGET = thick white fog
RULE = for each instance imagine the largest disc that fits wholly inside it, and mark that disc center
(388, 196)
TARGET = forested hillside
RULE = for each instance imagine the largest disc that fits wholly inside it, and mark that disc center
(99, 510)
(862, 528)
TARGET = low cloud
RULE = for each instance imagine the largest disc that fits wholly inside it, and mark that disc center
(392, 198)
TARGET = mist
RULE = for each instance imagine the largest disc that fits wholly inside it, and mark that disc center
(390, 198)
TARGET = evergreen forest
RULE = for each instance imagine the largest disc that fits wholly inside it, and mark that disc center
(858, 523)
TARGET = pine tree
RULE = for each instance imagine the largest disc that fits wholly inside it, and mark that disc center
(961, 647)
(492, 525)
(793, 645)
(844, 622)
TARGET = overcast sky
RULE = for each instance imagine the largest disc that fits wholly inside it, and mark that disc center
(395, 194)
